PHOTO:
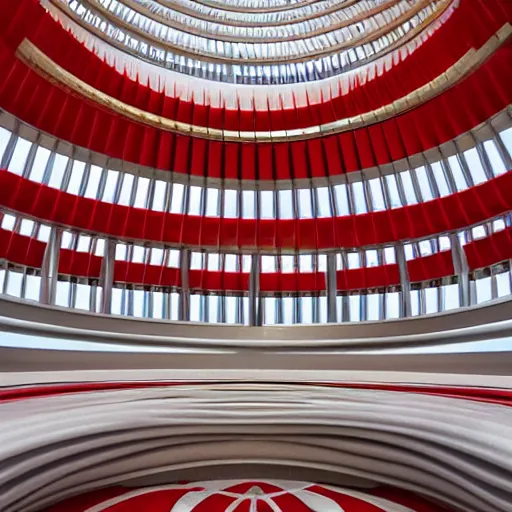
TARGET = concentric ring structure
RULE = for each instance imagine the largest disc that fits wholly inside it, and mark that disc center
(255, 255)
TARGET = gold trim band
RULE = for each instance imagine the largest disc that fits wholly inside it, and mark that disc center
(158, 18)
(199, 54)
(42, 64)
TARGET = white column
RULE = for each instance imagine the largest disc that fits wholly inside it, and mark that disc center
(331, 288)
(107, 276)
(460, 265)
(404, 280)
(50, 267)
(185, 291)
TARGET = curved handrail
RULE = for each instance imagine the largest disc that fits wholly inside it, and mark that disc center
(492, 320)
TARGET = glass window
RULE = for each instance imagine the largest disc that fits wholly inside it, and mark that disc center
(178, 191)
(158, 305)
(14, 282)
(451, 296)
(304, 203)
(270, 310)
(425, 248)
(38, 167)
(287, 264)
(157, 256)
(62, 293)
(32, 288)
(58, 169)
(175, 305)
(353, 260)
(5, 136)
(231, 309)
(378, 202)
(288, 310)
(138, 254)
(82, 296)
(195, 307)
(142, 192)
(393, 305)
(410, 194)
(19, 156)
(306, 263)
(8, 222)
(126, 189)
(138, 303)
(116, 301)
(354, 304)
(498, 167)
(231, 263)
(93, 182)
(213, 308)
(444, 243)
(373, 306)
(359, 197)
(194, 200)
(431, 301)
(440, 177)
(109, 191)
(415, 302)
(475, 166)
(120, 252)
(75, 179)
(267, 204)
(457, 173)
(173, 258)
(306, 310)
(424, 183)
(246, 262)
(323, 202)
(84, 243)
(196, 260)
(43, 233)
(100, 247)
(394, 196)
(248, 204)
(503, 284)
(66, 240)
(372, 258)
(159, 193)
(285, 204)
(213, 261)
(409, 252)
(268, 264)
(212, 202)
(339, 262)
(230, 203)
(498, 225)
(478, 232)
(506, 137)
(321, 261)
(322, 309)
(483, 290)
(342, 200)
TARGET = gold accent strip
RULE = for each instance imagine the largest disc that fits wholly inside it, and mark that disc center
(256, 10)
(41, 63)
(135, 6)
(242, 23)
(206, 57)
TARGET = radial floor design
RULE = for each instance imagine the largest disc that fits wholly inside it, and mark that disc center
(247, 496)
